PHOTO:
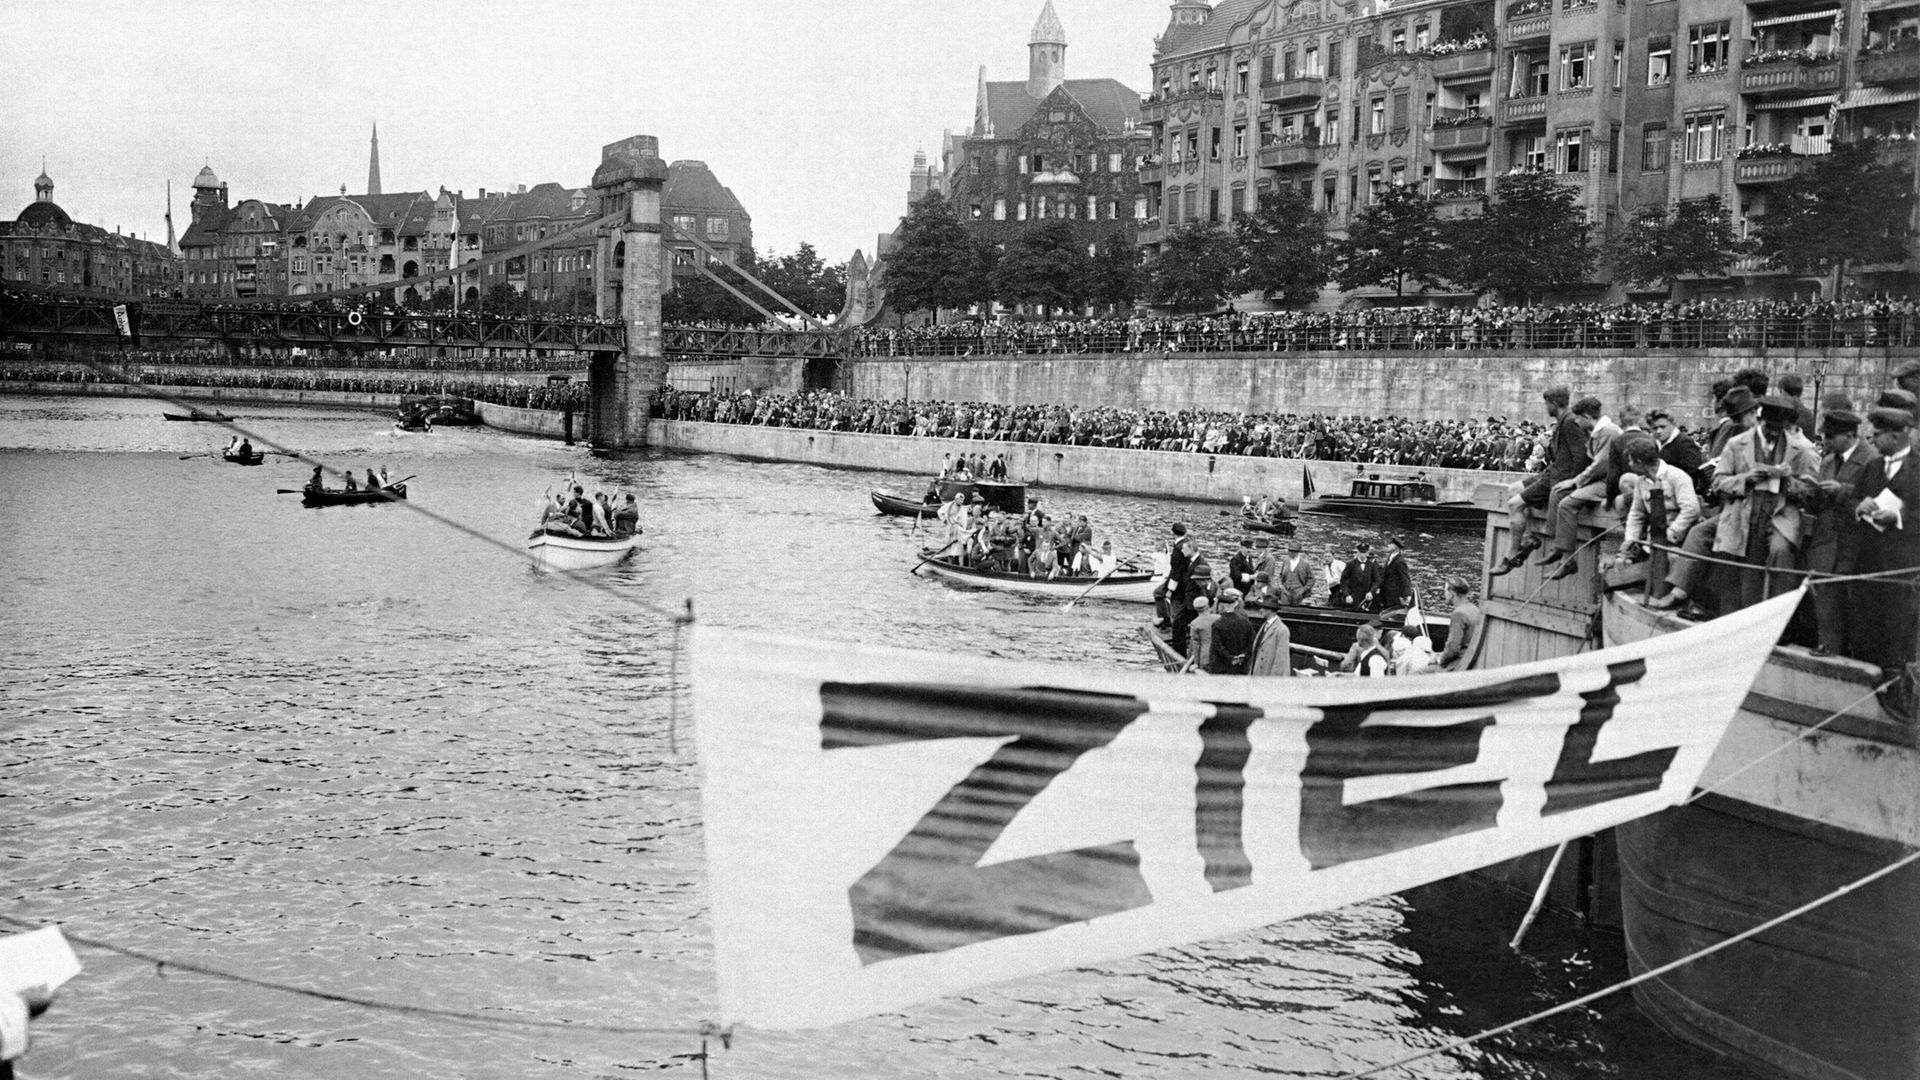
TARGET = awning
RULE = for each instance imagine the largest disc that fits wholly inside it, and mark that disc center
(1868, 96)
(1781, 20)
(1798, 102)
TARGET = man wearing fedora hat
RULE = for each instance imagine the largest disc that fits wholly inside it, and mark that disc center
(1833, 543)
(1731, 471)
(1889, 509)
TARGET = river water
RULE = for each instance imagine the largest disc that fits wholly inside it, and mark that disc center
(361, 751)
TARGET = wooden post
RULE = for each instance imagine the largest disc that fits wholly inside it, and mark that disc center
(1656, 534)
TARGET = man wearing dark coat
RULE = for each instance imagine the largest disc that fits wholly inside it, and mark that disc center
(1834, 545)
(1357, 580)
(1888, 611)
(1395, 587)
(1232, 637)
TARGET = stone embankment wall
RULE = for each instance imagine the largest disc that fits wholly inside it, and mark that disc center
(1157, 473)
(546, 423)
(1430, 385)
(206, 394)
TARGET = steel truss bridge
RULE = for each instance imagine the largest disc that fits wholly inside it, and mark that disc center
(48, 316)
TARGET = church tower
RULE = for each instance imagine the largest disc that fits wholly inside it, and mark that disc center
(1046, 54)
(209, 195)
(373, 164)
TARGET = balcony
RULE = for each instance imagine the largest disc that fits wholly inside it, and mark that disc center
(1279, 152)
(1152, 171)
(1476, 64)
(1449, 190)
(1295, 91)
(1460, 133)
(1154, 106)
(1777, 75)
(1526, 110)
(1768, 166)
(1888, 66)
(1148, 231)
(1531, 28)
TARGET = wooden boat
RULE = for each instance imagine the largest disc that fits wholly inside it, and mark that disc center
(561, 552)
(196, 416)
(343, 497)
(1280, 527)
(1409, 501)
(1314, 631)
(888, 503)
(999, 494)
(1785, 815)
(1131, 587)
(255, 458)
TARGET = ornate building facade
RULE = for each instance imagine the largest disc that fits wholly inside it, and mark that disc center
(1630, 102)
(44, 246)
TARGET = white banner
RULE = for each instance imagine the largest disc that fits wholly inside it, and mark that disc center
(121, 321)
(884, 827)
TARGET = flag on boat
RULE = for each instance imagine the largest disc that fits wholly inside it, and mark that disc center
(1415, 623)
(885, 826)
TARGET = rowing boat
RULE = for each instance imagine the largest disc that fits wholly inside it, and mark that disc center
(196, 416)
(899, 505)
(1134, 588)
(255, 458)
(1321, 632)
(561, 552)
(343, 497)
(1281, 527)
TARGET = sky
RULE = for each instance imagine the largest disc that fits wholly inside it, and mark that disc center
(809, 110)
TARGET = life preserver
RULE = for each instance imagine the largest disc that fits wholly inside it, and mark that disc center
(354, 318)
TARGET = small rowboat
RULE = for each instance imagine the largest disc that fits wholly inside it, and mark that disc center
(899, 505)
(558, 551)
(1282, 527)
(254, 458)
(196, 415)
(1133, 588)
(343, 497)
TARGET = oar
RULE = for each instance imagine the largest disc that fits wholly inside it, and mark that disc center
(929, 558)
(1068, 606)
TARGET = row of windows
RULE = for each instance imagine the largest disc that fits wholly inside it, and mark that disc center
(1041, 207)
(1079, 163)
(690, 223)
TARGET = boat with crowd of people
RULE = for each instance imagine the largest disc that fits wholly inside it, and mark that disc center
(1133, 585)
(565, 552)
(1814, 786)
(999, 494)
(1317, 633)
(196, 416)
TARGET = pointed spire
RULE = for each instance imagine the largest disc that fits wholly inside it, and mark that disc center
(171, 244)
(373, 163)
(1046, 54)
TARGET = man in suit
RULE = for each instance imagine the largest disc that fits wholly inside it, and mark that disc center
(1566, 456)
(1293, 576)
(1677, 450)
(1240, 568)
(1395, 587)
(1888, 611)
(1231, 638)
(1356, 580)
(1833, 546)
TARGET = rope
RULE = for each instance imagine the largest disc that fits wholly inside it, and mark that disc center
(162, 963)
(1460, 1044)
(1814, 577)
(1798, 736)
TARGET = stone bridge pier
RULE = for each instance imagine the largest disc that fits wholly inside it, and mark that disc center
(627, 265)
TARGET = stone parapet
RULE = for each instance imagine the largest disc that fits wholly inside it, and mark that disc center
(1167, 474)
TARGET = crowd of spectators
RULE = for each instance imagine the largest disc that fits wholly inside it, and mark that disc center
(1684, 325)
(1494, 443)
(405, 359)
(572, 395)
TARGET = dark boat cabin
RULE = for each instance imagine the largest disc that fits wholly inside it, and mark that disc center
(1395, 490)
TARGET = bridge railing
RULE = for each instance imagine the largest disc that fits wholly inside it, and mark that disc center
(722, 342)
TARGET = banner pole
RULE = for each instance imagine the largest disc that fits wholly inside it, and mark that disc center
(1539, 896)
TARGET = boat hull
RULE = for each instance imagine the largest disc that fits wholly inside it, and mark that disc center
(1283, 527)
(255, 458)
(1835, 993)
(197, 418)
(566, 554)
(1464, 516)
(335, 497)
(1129, 588)
(900, 506)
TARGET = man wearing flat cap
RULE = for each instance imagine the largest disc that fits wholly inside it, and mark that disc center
(1889, 608)
(1833, 544)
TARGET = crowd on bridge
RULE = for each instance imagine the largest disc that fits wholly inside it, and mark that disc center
(1712, 323)
(1493, 443)
(400, 359)
(572, 395)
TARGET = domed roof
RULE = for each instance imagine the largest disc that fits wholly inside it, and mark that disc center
(44, 212)
(43, 180)
(206, 179)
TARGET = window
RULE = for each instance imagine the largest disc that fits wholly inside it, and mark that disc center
(1377, 125)
(1576, 66)
(1000, 208)
(1530, 151)
(1020, 165)
(1539, 77)
(1619, 61)
(1213, 206)
(684, 222)
(717, 226)
(1703, 137)
(1240, 78)
(1659, 62)
(1266, 68)
(1193, 145)
(974, 211)
(683, 256)
(1239, 140)
(1708, 48)
(1329, 191)
(1397, 41)
(1330, 133)
(1020, 210)
(1213, 78)
(1193, 205)
(1166, 86)
(299, 264)
(1140, 208)
(1398, 177)
(1093, 207)
(1422, 37)
(1213, 144)
(1374, 183)
(1193, 78)
(1290, 64)
(1400, 100)
(1570, 152)
(1310, 61)
(1239, 203)
(1613, 149)
(1113, 163)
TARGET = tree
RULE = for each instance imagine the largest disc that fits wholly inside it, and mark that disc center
(1850, 208)
(934, 262)
(1195, 269)
(1046, 266)
(1115, 274)
(1529, 237)
(503, 299)
(1396, 238)
(1698, 239)
(698, 298)
(805, 279)
(1282, 248)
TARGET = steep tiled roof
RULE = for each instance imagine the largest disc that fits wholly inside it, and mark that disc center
(206, 228)
(1108, 102)
(692, 185)
(1210, 35)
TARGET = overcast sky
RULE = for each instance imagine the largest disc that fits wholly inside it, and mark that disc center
(810, 110)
